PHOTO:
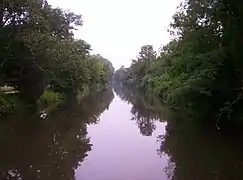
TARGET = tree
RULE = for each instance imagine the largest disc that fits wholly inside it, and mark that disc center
(38, 49)
(199, 73)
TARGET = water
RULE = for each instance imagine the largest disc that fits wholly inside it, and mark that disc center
(120, 151)
(115, 136)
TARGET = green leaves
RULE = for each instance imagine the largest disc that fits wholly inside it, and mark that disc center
(38, 49)
(198, 71)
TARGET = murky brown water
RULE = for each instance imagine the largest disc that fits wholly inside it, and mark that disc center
(111, 137)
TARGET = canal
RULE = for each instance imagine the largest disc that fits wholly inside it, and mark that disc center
(115, 135)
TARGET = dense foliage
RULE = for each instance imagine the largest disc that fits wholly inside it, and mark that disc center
(38, 50)
(199, 73)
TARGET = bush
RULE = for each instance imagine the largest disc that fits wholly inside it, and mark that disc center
(7, 105)
(50, 100)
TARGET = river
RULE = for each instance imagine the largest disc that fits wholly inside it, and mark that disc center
(114, 136)
(119, 150)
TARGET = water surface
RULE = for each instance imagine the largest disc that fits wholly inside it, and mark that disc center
(120, 151)
(115, 136)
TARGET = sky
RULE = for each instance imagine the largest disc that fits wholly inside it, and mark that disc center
(117, 29)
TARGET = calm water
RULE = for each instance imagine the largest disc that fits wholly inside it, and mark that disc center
(114, 136)
(120, 151)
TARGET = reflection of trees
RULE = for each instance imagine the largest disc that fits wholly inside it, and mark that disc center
(199, 154)
(146, 126)
(95, 104)
(143, 112)
(53, 148)
(194, 152)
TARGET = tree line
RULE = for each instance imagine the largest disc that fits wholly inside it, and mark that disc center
(39, 51)
(199, 72)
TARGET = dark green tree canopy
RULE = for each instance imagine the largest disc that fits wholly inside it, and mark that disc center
(39, 49)
(199, 73)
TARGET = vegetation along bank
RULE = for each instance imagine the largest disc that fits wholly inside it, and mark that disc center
(199, 72)
(40, 59)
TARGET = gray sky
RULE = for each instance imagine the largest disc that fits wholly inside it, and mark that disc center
(117, 29)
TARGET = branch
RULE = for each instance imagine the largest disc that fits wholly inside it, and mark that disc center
(220, 115)
(3, 63)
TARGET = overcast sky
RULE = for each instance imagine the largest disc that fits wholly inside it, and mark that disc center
(117, 29)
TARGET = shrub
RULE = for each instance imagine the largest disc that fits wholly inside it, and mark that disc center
(50, 100)
(7, 105)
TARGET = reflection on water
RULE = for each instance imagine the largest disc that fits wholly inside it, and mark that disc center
(53, 148)
(120, 151)
(194, 152)
(128, 141)
(143, 113)
(199, 154)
